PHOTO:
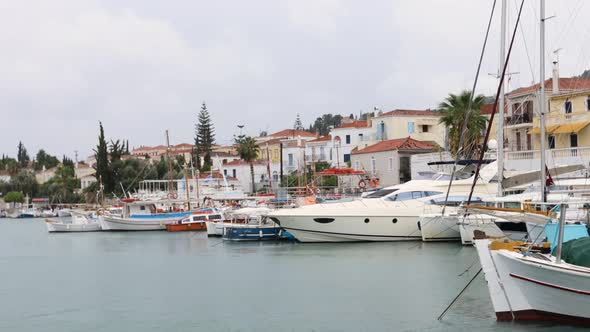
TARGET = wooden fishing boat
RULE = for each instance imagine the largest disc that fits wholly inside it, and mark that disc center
(195, 222)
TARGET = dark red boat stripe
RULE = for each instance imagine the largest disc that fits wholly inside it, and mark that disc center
(577, 291)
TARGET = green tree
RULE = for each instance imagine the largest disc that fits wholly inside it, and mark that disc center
(44, 159)
(204, 138)
(322, 124)
(298, 125)
(22, 155)
(103, 172)
(14, 197)
(454, 110)
(25, 182)
(248, 151)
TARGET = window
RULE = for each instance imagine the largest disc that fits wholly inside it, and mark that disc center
(412, 195)
(380, 193)
(424, 128)
(357, 165)
(361, 137)
(568, 107)
(588, 103)
(225, 172)
(275, 176)
(373, 166)
(234, 173)
(346, 157)
(551, 141)
(290, 158)
(390, 168)
(410, 127)
(347, 139)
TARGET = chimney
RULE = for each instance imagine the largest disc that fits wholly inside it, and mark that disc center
(555, 80)
(368, 119)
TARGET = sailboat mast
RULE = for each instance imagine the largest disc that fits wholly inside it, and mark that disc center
(501, 106)
(542, 101)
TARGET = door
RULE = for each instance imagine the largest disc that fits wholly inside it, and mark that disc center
(574, 144)
(518, 142)
(405, 173)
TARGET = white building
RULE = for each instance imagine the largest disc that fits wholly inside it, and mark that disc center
(348, 137)
(389, 160)
(320, 149)
(240, 170)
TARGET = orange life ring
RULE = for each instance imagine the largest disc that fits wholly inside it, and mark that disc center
(374, 183)
(362, 184)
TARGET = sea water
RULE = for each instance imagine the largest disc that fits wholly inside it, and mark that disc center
(159, 281)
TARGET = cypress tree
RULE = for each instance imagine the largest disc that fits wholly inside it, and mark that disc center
(298, 125)
(22, 156)
(101, 154)
(204, 139)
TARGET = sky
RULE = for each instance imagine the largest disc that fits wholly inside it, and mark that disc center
(144, 66)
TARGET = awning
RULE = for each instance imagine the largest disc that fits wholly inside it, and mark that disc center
(571, 127)
(548, 130)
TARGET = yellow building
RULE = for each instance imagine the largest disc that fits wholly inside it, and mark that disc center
(422, 125)
(271, 148)
(566, 122)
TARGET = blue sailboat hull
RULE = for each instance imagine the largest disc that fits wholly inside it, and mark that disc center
(254, 233)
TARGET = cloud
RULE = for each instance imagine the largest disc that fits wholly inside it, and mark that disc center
(319, 16)
(84, 63)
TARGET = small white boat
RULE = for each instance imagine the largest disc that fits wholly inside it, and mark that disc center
(77, 222)
(240, 216)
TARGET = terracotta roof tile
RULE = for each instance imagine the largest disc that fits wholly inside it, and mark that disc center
(407, 143)
(411, 113)
(293, 133)
(565, 84)
(240, 162)
(326, 138)
(355, 124)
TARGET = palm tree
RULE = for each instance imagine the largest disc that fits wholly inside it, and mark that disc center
(454, 110)
(248, 151)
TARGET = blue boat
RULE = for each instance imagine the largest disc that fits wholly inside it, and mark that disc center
(254, 233)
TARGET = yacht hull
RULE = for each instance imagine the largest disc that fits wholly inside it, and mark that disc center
(350, 228)
(530, 289)
(435, 227)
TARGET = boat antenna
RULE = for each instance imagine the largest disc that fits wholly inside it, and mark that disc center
(469, 107)
(495, 108)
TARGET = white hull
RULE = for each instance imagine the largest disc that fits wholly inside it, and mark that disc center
(484, 224)
(214, 228)
(111, 223)
(351, 228)
(528, 288)
(54, 227)
(435, 227)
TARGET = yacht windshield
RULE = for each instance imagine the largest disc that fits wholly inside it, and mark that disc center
(412, 195)
(455, 200)
(380, 193)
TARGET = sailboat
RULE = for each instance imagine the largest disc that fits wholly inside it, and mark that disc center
(533, 282)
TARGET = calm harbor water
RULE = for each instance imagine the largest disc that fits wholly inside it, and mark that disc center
(154, 281)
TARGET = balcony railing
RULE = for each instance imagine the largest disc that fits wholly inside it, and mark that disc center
(519, 119)
(580, 154)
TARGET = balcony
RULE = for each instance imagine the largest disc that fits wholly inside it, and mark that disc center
(519, 120)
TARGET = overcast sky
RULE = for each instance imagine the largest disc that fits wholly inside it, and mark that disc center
(144, 66)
